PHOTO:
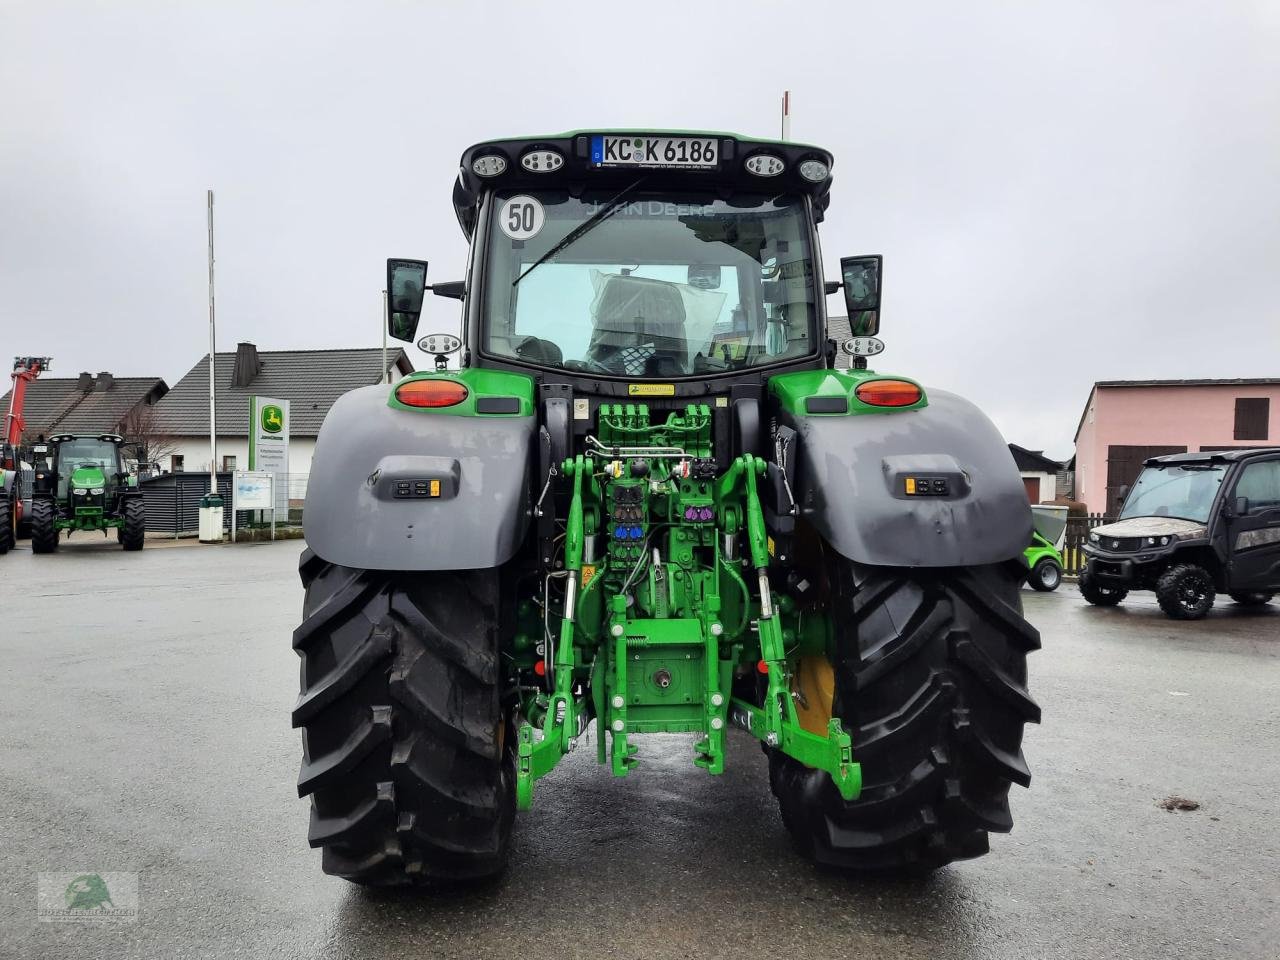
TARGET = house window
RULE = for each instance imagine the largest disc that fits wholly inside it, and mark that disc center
(228, 461)
(1252, 416)
(175, 463)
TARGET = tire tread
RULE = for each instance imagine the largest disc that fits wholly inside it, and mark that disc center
(931, 681)
(410, 776)
(8, 523)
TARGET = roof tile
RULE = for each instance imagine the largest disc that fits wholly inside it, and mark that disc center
(312, 380)
(58, 405)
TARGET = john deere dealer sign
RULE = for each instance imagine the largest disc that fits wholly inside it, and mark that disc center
(269, 442)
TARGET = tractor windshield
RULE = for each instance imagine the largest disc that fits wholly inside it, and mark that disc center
(652, 286)
(85, 452)
(1186, 491)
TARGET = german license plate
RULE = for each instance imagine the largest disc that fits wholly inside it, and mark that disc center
(696, 153)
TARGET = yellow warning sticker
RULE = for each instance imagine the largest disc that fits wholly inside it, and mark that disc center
(651, 389)
(588, 571)
(435, 488)
(773, 547)
(911, 484)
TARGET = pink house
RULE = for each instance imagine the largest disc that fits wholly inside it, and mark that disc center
(1126, 421)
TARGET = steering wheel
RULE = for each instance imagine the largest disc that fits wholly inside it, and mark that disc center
(539, 350)
(593, 365)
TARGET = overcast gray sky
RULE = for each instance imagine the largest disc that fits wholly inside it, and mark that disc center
(1063, 192)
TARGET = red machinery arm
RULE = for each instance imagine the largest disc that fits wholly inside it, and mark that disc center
(25, 370)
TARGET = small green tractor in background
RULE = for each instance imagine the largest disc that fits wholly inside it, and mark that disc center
(82, 484)
(644, 502)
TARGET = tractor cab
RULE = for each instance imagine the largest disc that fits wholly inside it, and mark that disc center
(87, 467)
(83, 483)
(619, 258)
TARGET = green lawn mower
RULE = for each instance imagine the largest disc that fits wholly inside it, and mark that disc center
(645, 501)
(82, 484)
(1043, 557)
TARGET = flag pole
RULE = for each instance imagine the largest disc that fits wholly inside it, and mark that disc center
(211, 505)
(213, 422)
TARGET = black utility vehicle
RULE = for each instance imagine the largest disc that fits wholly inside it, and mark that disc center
(1194, 525)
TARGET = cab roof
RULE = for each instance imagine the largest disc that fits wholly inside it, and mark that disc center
(583, 167)
(105, 437)
(1208, 456)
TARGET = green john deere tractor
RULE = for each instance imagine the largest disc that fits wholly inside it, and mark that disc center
(645, 501)
(82, 484)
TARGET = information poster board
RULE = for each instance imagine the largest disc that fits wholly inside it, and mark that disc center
(269, 444)
(252, 490)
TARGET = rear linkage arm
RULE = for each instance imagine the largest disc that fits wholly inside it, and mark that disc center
(562, 721)
(776, 723)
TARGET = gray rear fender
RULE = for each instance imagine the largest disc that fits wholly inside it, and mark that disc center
(358, 516)
(850, 486)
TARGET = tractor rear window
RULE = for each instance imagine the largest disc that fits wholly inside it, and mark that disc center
(656, 286)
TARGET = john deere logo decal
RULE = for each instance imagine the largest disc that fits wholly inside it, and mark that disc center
(87, 897)
(272, 418)
(88, 892)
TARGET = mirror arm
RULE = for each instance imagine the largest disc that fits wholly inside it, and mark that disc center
(831, 286)
(453, 289)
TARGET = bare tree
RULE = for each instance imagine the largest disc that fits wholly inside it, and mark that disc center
(143, 436)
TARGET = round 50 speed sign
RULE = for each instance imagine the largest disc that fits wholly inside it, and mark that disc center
(521, 218)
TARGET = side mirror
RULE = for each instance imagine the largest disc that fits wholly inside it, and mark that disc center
(1237, 508)
(1122, 493)
(406, 286)
(860, 277)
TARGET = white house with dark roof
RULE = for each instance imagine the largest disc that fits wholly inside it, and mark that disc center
(90, 403)
(311, 380)
(1039, 473)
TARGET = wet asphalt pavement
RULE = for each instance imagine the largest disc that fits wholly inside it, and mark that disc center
(144, 727)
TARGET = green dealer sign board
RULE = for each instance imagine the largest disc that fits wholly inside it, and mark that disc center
(269, 442)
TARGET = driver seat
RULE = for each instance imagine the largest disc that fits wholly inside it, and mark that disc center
(639, 327)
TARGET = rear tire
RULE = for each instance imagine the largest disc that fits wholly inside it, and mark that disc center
(1251, 598)
(133, 533)
(930, 679)
(407, 754)
(1046, 576)
(1097, 594)
(8, 524)
(1185, 591)
(44, 526)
